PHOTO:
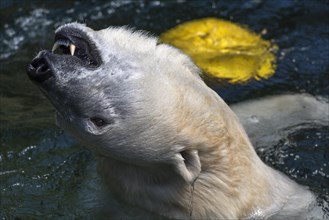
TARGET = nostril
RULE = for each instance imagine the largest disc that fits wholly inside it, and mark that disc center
(39, 70)
(39, 63)
(42, 68)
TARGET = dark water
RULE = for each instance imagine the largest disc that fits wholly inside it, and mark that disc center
(42, 169)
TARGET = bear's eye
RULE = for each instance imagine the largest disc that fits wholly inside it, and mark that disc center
(98, 122)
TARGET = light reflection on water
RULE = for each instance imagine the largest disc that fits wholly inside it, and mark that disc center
(43, 171)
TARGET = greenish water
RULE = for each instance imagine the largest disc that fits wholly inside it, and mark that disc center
(44, 171)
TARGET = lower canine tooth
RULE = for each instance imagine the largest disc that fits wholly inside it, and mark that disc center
(72, 49)
(56, 45)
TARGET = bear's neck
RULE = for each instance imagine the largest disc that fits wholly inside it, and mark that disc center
(231, 185)
(220, 191)
(157, 188)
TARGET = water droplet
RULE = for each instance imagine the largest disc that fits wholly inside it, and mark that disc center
(253, 119)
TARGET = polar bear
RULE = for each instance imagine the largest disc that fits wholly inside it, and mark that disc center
(164, 141)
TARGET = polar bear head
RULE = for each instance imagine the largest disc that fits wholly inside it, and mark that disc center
(126, 96)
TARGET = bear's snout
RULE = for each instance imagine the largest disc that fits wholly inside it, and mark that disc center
(39, 70)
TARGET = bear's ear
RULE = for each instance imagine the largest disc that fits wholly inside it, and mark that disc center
(188, 165)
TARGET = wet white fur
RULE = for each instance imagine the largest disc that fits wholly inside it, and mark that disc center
(181, 134)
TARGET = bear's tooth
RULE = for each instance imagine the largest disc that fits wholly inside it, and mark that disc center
(56, 45)
(72, 49)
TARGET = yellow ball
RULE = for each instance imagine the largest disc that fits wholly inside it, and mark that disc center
(224, 50)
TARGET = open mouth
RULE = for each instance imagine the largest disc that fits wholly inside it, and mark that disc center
(69, 43)
(75, 43)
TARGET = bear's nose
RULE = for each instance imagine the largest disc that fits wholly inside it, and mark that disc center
(39, 69)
